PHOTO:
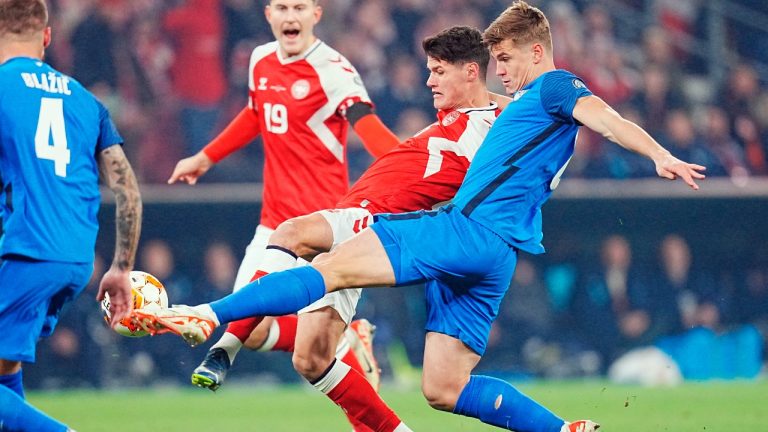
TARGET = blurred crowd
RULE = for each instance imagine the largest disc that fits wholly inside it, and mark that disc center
(174, 72)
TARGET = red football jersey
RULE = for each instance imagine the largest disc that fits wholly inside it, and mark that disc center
(301, 103)
(428, 168)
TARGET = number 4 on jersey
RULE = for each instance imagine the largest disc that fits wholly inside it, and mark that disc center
(51, 137)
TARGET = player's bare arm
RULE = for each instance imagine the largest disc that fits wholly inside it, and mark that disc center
(118, 175)
(597, 115)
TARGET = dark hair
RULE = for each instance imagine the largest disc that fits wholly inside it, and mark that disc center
(22, 17)
(459, 45)
(522, 24)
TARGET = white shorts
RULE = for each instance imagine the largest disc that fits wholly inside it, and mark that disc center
(345, 223)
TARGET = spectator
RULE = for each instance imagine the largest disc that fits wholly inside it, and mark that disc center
(197, 73)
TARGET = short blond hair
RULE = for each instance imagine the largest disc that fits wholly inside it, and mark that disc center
(522, 24)
(22, 18)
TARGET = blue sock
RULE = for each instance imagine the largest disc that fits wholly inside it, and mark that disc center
(275, 294)
(17, 415)
(498, 403)
(13, 382)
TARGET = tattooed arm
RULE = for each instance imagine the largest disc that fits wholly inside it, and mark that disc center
(116, 172)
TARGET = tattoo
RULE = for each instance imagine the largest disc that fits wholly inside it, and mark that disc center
(119, 177)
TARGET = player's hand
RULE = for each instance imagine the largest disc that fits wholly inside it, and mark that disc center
(190, 169)
(117, 284)
(670, 167)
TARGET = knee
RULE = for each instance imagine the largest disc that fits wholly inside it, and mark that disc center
(310, 365)
(288, 235)
(440, 394)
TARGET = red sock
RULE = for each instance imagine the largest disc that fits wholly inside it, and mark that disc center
(287, 337)
(241, 329)
(354, 394)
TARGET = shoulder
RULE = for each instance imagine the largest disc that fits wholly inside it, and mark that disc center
(262, 51)
(561, 79)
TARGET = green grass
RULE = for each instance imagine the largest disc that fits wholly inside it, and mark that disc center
(710, 407)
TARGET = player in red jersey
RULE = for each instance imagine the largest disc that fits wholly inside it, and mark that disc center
(303, 95)
(421, 173)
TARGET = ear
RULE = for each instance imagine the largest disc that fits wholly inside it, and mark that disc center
(538, 52)
(46, 37)
(318, 13)
(268, 12)
(473, 71)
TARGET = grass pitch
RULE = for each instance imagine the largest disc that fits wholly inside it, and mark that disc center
(696, 407)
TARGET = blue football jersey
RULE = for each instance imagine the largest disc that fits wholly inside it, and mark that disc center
(51, 129)
(522, 158)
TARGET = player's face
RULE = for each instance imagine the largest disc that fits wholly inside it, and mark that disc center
(292, 23)
(448, 83)
(514, 64)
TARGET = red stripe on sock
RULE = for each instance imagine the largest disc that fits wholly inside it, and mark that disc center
(287, 325)
(359, 400)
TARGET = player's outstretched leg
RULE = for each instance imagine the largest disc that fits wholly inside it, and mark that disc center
(448, 386)
(278, 293)
(18, 415)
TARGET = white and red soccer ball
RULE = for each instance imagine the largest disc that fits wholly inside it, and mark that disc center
(148, 293)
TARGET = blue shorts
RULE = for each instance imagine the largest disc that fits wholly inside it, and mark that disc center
(32, 294)
(467, 269)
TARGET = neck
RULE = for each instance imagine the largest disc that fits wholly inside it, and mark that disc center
(539, 69)
(12, 49)
(478, 97)
(285, 54)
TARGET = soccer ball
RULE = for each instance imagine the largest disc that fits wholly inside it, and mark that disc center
(148, 293)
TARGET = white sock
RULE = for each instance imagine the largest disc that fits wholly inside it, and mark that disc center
(277, 259)
(333, 377)
(229, 343)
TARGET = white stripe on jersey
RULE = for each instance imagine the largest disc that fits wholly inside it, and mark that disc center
(340, 81)
(478, 125)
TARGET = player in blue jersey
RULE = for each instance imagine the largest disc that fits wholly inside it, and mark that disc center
(466, 252)
(55, 137)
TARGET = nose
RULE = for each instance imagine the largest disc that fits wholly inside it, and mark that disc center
(431, 81)
(500, 69)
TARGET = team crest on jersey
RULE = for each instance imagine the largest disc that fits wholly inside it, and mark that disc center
(579, 84)
(300, 89)
(262, 84)
(451, 118)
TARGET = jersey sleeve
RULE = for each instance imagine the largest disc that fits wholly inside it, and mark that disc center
(559, 92)
(350, 88)
(108, 134)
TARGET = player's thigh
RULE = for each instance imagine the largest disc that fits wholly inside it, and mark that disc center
(32, 294)
(358, 262)
(345, 223)
(317, 335)
(448, 363)
(344, 302)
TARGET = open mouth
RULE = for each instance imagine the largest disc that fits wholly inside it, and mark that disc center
(291, 33)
